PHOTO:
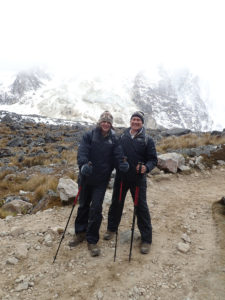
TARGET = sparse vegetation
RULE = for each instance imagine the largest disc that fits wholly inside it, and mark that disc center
(211, 160)
(40, 186)
(70, 156)
(3, 174)
(5, 213)
(37, 185)
(188, 141)
(22, 165)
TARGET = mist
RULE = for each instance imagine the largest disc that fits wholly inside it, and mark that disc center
(98, 38)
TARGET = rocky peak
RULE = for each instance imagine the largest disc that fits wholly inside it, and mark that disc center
(174, 102)
(27, 81)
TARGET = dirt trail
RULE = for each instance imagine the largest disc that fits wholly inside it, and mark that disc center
(179, 204)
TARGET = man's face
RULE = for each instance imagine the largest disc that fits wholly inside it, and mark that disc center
(136, 123)
(105, 127)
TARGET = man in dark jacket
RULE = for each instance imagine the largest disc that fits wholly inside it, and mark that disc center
(98, 154)
(137, 147)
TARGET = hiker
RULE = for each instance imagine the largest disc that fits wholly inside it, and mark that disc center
(98, 153)
(137, 147)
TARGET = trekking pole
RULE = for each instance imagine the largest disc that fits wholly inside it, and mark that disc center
(74, 203)
(135, 209)
(120, 197)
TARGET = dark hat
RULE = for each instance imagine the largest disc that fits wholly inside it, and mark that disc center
(106, 117)
(139, 114)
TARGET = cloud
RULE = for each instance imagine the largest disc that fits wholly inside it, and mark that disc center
(114, 36)
(110, 34)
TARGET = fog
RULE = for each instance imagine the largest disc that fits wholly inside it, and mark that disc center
(118, 37)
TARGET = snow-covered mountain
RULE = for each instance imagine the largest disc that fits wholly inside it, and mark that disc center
(170, 100)
(174, 101)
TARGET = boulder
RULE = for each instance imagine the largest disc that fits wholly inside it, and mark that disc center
(170, 161)
(17, 206)
(67, 188)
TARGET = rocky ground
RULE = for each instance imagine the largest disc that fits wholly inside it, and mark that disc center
(186, 261)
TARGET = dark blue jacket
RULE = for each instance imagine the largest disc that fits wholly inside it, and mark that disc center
(105, 153)
(141, 148)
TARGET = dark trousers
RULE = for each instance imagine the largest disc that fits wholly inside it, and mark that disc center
(89, 213)
(142, 211)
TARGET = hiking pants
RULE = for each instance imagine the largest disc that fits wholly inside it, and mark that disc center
(143, 214)
(89, 213)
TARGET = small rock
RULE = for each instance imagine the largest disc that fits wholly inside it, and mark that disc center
(185, 169)
(48, 240)
(201, 248)
(58, 229)
(125, 236)
(70, 231)
(12, 261)
(37, 247)
(4, 233)
(221, 162)
(182, 247)
(15, 231)
(20, 279)
(21, 251)
(99, 295)
(186, 238)
(22, 286)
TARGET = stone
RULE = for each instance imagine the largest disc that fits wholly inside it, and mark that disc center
(67, 189)
(12, 261)
(182, 247)
(17, 206)
(48, 240)
(186, 238)
(16, 231)
(170, 161)
(22, 286)
(185, 169)
(21, 251)
(221, 162)
(125, 236)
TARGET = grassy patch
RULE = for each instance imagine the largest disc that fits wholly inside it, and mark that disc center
(188, 141)
(211, 160)
(5, 213)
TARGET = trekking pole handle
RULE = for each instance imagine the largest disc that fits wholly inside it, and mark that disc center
(140, 167)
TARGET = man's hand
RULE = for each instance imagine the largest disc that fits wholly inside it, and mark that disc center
(143, 169)
(86, 169)
(124, 167)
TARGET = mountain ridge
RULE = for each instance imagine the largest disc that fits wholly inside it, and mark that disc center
(172, 101)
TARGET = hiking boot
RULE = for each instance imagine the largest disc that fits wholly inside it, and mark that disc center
(77, 239)
(108, 235)
(94, 249)
(145, 248)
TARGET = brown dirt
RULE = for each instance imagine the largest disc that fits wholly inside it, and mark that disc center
(178, 203)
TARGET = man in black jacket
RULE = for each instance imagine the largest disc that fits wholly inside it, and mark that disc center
(98, 154)
(137, 147)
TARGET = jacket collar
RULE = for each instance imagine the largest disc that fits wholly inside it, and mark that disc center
(140, 133)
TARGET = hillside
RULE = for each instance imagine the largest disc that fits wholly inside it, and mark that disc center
(183, 207)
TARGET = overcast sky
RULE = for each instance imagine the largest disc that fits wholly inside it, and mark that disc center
(117, 36)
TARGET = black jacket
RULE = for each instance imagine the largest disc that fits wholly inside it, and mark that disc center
(105, 153)
(141, 148)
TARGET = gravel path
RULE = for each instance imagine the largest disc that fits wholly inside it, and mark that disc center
(186, 259)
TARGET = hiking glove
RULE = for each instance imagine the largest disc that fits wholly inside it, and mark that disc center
(124, 166)
(86, 170)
